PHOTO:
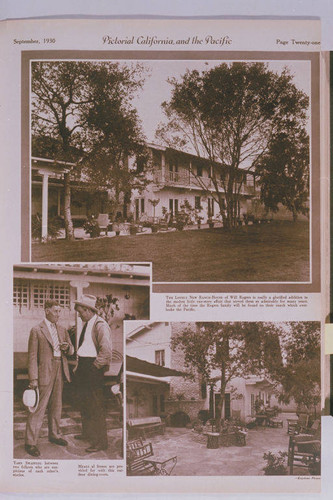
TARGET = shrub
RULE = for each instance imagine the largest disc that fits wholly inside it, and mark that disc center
(203, 415)
(53, 228)
(276, 464)
(91, 227)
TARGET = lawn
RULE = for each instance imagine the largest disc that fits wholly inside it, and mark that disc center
(271, 252)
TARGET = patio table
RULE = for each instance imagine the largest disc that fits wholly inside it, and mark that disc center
(262, 419)
(162, 464)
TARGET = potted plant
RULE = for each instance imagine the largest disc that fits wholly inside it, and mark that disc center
(199, 219)
(133, 228)
(210, 222)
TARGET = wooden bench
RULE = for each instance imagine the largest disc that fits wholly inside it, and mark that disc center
(146, 426)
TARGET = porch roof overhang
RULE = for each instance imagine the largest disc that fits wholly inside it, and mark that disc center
(135, 275)
(139, 366)
(259, 382)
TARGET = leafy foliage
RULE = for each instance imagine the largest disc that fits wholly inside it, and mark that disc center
(276, 463)
(86, 107)
(228, 349)
(300, 375)
(284, 172)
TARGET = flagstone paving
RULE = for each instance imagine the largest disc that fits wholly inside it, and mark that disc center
(195, 459)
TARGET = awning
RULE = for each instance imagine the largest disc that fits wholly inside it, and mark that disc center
(139, 366)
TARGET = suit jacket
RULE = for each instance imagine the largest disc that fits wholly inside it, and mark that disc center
(101, 335)
(40, 353)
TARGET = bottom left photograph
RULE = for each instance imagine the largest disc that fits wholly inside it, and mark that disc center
(68, 356)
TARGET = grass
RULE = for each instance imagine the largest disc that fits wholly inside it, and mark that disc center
(271, 252)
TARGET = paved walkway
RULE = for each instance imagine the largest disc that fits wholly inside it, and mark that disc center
(195, 459)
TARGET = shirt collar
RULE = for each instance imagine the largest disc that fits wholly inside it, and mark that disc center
(49, 324)
(92, 320)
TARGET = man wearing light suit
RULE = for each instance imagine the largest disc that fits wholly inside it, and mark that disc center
(49, 346)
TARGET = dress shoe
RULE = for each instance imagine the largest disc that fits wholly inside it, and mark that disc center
(80, 437)
(93, 448)
(59, 441)
(32, 450)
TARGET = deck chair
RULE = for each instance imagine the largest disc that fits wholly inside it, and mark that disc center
(103, 222)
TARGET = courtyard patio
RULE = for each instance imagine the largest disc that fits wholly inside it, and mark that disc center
(195, 459)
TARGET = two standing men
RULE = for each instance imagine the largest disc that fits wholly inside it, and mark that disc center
(49, 347)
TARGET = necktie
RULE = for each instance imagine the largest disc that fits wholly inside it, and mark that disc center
(55, 338)
(82, 334)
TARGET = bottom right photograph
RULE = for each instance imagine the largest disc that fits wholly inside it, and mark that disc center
(223, 398)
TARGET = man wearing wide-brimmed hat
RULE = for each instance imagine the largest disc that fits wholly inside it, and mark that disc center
(94, 352)
(49, 346)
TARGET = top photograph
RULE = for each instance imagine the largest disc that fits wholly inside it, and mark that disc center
(208, 168)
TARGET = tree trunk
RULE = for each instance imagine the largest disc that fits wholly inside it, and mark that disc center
(67, 208)
(219, 409)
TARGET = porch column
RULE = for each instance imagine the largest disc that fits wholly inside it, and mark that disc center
(163, 166)
(45, 201)
(211, 402)
(79, 286)
(58, 203)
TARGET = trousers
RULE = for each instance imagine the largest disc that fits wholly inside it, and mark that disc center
(89, 383)
(50, 397)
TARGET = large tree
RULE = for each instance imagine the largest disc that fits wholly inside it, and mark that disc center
(284, 172)
(229, 115)
(63, 97)
(113, 136)
(299, 378)
(229, 350)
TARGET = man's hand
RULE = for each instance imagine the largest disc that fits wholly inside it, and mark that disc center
(33, 384)
(64, 346)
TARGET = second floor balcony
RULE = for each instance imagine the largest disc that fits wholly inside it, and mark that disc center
(187, 179)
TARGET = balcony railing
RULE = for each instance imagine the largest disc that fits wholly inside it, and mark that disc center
(187, 179)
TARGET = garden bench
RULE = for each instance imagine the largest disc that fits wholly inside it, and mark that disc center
(146, 426)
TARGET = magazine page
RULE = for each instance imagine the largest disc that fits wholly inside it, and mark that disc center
(165, 266)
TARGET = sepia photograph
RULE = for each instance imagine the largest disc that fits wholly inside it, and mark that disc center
(201, 167)
(68, 356)
(223, 399)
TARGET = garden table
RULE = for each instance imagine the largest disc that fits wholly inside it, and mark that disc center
(163, 466)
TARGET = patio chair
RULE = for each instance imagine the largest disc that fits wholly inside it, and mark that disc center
(134, 444)
(304, 451)
(103, 222)
(165, 222)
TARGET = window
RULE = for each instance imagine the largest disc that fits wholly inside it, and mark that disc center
(197, 203)
(33, 294)
(43, 292)
(203, 390)
(160, 357)
(21, 294)
(176, 207)
(199, 170)
(142, 205)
